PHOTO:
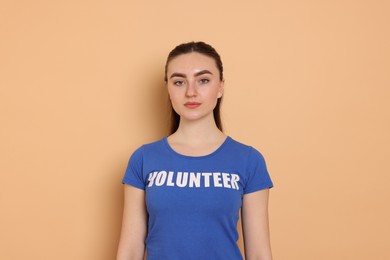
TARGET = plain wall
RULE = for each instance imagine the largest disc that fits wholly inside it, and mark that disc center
(81, 87)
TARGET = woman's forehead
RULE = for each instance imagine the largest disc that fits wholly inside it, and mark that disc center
(191, 63)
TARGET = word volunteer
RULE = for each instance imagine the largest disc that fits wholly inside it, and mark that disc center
(194, 179)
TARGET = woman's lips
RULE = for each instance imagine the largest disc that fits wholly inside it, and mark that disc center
(192, 104)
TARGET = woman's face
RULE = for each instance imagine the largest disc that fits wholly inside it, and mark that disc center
(194, 86)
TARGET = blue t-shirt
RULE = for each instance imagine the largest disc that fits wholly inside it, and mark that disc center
(193, 202)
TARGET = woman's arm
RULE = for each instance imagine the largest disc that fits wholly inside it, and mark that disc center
(255, 226)
(134, 225)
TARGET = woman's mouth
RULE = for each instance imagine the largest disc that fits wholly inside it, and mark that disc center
(192, 104)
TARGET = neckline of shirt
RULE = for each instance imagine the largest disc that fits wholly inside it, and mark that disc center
(171, 150)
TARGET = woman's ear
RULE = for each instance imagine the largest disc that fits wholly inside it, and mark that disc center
(166, 86)
(221, 88)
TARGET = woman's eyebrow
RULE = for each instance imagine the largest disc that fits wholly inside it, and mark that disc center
(177, 74)
(203, 72)
(182, 75)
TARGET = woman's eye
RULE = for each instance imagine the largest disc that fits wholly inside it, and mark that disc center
(178, 82)
(204, 81)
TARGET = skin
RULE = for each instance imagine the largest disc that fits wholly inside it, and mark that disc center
(195, 78)
(134, 225)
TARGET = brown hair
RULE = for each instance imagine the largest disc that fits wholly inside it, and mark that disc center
(202, 48)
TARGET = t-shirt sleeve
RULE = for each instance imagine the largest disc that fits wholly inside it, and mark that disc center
(134, 173)
(257, 173)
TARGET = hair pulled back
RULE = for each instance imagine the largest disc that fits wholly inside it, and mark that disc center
(205, 49)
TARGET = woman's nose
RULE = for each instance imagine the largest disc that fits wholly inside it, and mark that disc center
(191, 90)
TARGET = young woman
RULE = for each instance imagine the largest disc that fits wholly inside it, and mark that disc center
(184, 192)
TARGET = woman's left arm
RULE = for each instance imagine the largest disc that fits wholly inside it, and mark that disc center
(255, 227)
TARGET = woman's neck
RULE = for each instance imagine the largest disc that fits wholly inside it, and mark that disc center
(199, 146)
(196, 138)
(199, 131)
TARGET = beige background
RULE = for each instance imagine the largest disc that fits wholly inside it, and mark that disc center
(307, 83)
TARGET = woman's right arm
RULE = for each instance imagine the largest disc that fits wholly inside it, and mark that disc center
(134, 225)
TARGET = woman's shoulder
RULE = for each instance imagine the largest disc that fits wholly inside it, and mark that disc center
(155, 143)
(239, 144)
(242, 147)
(151, 146)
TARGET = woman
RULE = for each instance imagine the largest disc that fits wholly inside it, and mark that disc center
(184, 192)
